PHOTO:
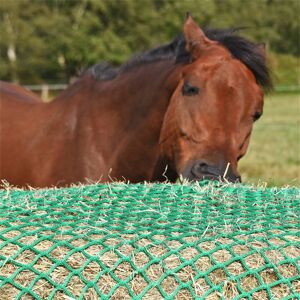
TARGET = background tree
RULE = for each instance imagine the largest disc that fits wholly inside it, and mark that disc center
(52, 40)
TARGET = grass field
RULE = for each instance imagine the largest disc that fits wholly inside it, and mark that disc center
(274, 152)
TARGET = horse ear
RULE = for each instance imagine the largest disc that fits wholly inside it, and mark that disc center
(196, 40)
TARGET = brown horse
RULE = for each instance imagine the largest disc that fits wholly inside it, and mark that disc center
(186, 108)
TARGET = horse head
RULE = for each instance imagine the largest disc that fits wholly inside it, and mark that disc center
(208, 123)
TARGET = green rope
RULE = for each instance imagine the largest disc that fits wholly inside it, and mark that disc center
(150, 241)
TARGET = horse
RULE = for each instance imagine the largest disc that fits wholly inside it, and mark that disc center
(185, 109)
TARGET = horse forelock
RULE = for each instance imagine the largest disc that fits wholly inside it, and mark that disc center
(239, 47)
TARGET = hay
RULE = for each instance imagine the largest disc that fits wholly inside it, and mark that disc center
(154, 272)
(53, 258)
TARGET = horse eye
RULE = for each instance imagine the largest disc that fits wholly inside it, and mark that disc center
(188, 90)
(257, 115)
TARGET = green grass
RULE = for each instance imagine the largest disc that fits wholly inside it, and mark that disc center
(274, 153)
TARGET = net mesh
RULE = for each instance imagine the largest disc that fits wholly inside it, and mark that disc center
(150, 241)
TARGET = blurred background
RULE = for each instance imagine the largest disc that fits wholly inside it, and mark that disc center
(46, 43)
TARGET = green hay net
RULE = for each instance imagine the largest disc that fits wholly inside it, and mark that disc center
(150, 241)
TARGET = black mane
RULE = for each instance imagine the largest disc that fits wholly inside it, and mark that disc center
(240, 48)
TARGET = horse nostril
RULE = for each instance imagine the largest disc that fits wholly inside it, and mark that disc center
(200, 168)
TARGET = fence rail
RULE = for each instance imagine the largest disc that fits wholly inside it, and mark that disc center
(44, 89)
(287, 88)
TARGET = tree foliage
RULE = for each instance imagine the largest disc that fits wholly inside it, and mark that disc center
(51, 40)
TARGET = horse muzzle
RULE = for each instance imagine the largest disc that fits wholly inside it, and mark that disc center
(201, 170)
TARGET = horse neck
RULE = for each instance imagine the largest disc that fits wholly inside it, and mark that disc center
(120, 120)
(141, 95)
(136, 103)
(133, 94)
